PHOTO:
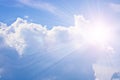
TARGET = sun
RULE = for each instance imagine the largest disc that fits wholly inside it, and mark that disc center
(98, 33)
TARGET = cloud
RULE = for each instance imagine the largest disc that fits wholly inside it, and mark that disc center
(103, 72)
(115, 7)
(1, 72)
(26, 17)
(43, 5)
(107, 64)
(30, 39)
(39, 5)
(23, 35)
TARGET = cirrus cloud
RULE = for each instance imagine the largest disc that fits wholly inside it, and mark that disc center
(39, 5)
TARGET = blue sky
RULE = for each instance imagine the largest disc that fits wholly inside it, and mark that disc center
(59, 12)
(59, 40)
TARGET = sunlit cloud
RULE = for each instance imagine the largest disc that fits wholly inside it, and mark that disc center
(17, 36)
(29, 38)
(103, 72)
(32, 48)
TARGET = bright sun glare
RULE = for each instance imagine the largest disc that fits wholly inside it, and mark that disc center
(98, 34)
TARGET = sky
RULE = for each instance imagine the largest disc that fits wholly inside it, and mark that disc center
(59, 40)
(60, 12)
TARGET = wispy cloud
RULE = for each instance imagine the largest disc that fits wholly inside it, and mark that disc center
(115, 7)
(39, 5)
(1, 72)
(26, 17)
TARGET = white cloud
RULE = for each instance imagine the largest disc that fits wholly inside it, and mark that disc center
(39, 5)
(23, 35)
(104, 72)
(110, 49)
(28, 38)
(115, 7)
(2, 25)
(44, 5)
(26, 17)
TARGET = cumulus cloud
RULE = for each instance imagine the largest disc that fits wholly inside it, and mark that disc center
(28, 38)
(23, 35)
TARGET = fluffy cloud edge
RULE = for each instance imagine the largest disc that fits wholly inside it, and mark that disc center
(27, 37)
(15, 34)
